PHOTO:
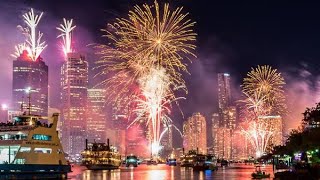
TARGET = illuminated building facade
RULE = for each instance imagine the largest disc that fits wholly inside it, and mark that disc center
(224, 122)
(32, 75)
(74, 84)
(117, 138)
(96, 115)
(3, 113)
(214, 130)
(195, 133)
(119, 123)
(241, 146)
(227, 112)
(136, 142)
(229, 117)
(224, 92)
(222, 143)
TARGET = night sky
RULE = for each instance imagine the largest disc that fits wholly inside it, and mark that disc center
(233, 36)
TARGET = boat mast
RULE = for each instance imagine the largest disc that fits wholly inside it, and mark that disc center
(29, 101)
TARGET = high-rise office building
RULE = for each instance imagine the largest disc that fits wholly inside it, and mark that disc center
(96, 115)
(222, 131)
(119, 123)
(214, 130)
(241, 146)
(222, 143)
(74, 84)
(136, 142)
(229, 117)
(30, 85)
(224, 91)
(195, 133)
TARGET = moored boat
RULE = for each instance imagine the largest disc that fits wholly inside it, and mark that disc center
(100, 156)
(204, 162)
(187, 160)
(259, 174)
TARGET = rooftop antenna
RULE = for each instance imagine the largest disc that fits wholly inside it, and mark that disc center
(28, 90)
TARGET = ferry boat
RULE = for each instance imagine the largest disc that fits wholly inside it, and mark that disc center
(205, 162)
(100, 156)
(187, 160)
(30, 148)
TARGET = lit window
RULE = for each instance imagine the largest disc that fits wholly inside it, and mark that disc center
(19, 161)
(25, 149)
(41, 137)
(43, 150)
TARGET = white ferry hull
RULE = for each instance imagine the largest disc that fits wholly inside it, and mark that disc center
(28, 171)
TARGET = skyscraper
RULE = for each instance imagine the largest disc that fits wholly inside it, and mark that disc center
(229, 117)
(119, 123)
(195, 133)
(32, 76)
(222, 144)
(74, 83)
(224, 91)
(214, 130)
(222, 131)
(96, 121)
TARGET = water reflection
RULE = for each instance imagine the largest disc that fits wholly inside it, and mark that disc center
(161, 172)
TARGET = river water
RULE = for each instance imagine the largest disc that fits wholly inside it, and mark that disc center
(164, 172)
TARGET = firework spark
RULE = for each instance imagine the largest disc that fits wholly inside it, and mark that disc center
(256, 104)
(66, 29)
(155, 102)
(19, 50)
(270, 84)
(146, 52)
(259, 135)
(34, 44)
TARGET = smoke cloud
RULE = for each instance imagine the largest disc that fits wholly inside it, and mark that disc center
(302, 90)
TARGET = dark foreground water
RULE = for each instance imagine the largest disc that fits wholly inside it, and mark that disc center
(164, 172)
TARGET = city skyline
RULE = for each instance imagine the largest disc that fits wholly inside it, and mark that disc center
(91, 88)
(203, 99)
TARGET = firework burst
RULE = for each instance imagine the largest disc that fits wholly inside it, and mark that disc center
(34, 44)
(146, 57)
(269, 83)
(66, 29)
(259, 134)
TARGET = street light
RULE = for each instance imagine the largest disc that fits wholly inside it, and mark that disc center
(4, 106)
(28, 91)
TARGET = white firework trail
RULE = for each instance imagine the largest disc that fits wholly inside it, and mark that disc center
(66, 28)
